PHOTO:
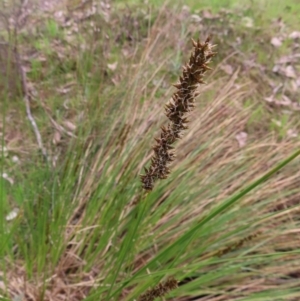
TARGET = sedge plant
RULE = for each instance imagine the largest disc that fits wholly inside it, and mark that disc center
(217, 227)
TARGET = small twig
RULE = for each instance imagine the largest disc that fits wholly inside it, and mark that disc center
(27, 98)
(60, 128)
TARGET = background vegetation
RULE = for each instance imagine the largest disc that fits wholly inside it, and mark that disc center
(77, 127)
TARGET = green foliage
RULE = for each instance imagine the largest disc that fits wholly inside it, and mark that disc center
(52, 29)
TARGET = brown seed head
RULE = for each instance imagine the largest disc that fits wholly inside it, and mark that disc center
(181, 103)
(160, 290)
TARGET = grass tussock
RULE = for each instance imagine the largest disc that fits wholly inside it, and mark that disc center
(82, 232)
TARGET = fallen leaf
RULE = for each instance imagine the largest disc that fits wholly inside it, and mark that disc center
(241, 138)
(269, 99)
(116, 80)
(294, 58)
(276, 88)
(276, 69)
(227, 69)
(112, 66)
(69, 125)
(294, 85)
(279, 23)
(6, 177)
(207, 14)
(2, 285)
(295, 35)
(56, 137)
(285, 101)
(15, 159)
(66, 88)
(238, 40)
(185, 12)
(196, 18)
(290, 72)
(126, 52)
(292, 133)
(13, 214)
(19, 297)
(296, 106)
(276, 42)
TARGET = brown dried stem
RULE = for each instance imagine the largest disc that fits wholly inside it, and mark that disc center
(181, 103)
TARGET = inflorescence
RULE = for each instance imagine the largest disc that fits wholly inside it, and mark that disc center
(181, 103)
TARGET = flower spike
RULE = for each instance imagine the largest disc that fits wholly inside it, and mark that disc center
(181, 102)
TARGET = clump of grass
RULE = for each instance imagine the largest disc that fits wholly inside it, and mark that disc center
(182, 102)
(112, 250)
